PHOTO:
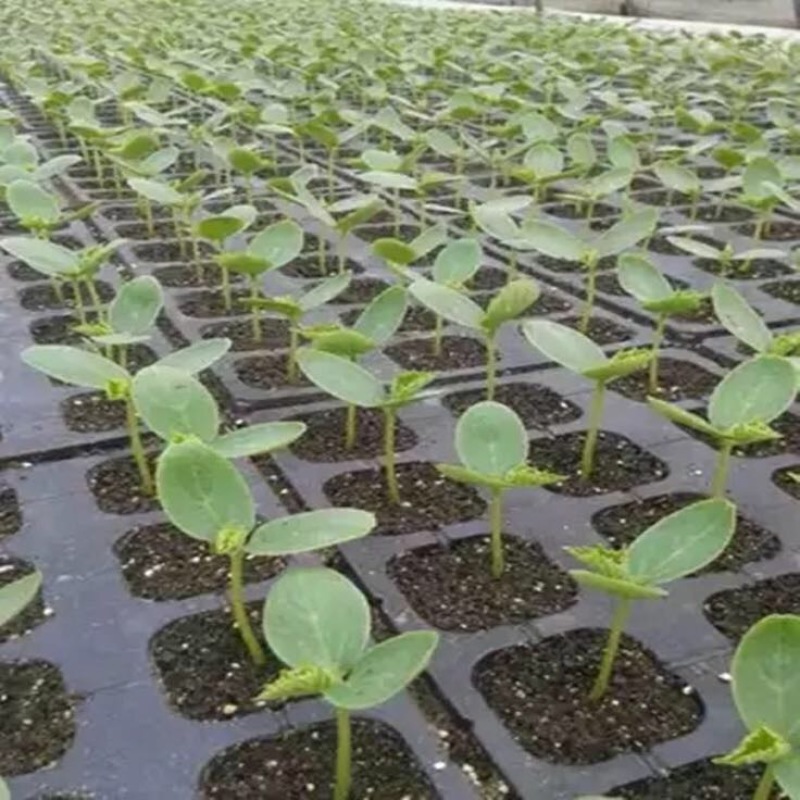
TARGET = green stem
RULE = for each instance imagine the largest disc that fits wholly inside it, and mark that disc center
(55, 282)
(148, 217)
(496, 532)
(344, 748)
(321, 255)
(658, 336)
(76, 291)
(137, 448)
(291, 361)
(388, 447)
(491, 367)
(591, 286)
(720, 479)
(437, 337)
(351, 422)
(595, 417)
(226, 287)
(236, 592)
(255, 319)
(612, 646)
(94, 296)
(198, 267)
(764, 788)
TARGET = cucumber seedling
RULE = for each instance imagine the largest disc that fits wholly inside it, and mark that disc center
(674, 547)
(492, 446)
(579, 354)
(318, 624)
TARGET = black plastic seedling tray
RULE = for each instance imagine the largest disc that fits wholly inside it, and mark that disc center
(129, 741)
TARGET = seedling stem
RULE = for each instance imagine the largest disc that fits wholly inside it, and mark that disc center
(496, 531)
(720, 480)
(595, 417)
(618, 621)
(658, 336)
(390, 419)
(343, 754)
(764, 788)
(240, 612)
(137, 449)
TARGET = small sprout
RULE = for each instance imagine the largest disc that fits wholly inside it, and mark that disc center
(352, 384)
(764, 684)
(740, 409)
(741, 320)
(673, 548)
(318, 624)
(492, 445)
(726, 258)
(207, 498)
(579, 354)
(510, 303)
(641, 279)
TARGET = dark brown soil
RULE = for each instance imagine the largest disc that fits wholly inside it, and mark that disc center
(212, 304)
(168, 251)
(664, 198)
(369, 233)
(622, 524)
(268, 372)
(37, 723)
(458, 352)
(10, 514)
(127, 213)
(429, 501)
(537, 406)
(138, 230)
(660, 244)
(360, 290)
(161, 563)
(549, 303)
(677, 380)
(487, 279)
(452, 588)
(274, 333)
(11, 569)
(601, 331)
(541, 694)
(619, 464)
(560, 265)
(742, 270)
(55, 330)
(735, 611)
(205, 669)
(117, 488)
(42, 296)
(324, 439)
(92, 412)
(580, 211)
(184, 275)
(308, 266)
(701, 780)
(724, 214)
(785, 290)
(300, 766)
(783, 479)
(778, 231)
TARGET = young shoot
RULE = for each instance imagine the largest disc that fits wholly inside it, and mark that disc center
(206, 497)
(492, 446)
(93, 371)
(641, 279)
(740, 409)
(37, 210)
(677, 178)
(509, 304)
(676, 546)
(352, 384)
(726, 258)
(556, 242)
(764, 685)
(62, 265)
(325, 643)
(579, 354)
(741, 320)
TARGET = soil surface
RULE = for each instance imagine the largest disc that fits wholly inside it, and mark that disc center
(677, 380)
(428, 499)
(541, 694)
(10, 514)
(452, 588)
(268, 372)
(93, 412)
(457, 352)
(12, 569)
(274, 333)
(43, 297)
(300, 766)
(117, 486)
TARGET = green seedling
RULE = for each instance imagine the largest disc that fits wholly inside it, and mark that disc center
(272, 248)
(557, 242)
(592, 191)
(765, 689)
(206, 497)
(509, 304)
(248, 163)
(60, 264)
(740, 410)
(376, 324)
(727, 259)
(19, 160)
(641, 279)
(763, 190)
(741, 320)
(401, 256)
(318, 624)
(129, 320)
(38, 210)
(492, 446)
(352, 384)
(93, 371)
(677, 178)
(673, 548)
(579, 354)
